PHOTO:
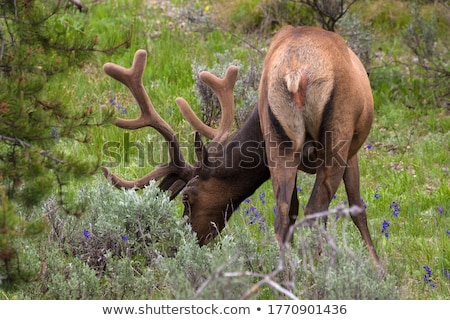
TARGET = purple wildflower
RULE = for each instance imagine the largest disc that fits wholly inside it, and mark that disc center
(118, 106)
(395, 208)
(447, 273)
(262, 195)
(384, 227)
(54, 134)
(256, 218)
(247, 211)
(427, 276)
(364, 203)
(112, 101)
(440, 209)
(86, 234)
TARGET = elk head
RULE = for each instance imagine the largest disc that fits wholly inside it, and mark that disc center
(314, 89)
(227, 170)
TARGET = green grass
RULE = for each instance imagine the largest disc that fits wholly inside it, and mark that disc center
(408, 162)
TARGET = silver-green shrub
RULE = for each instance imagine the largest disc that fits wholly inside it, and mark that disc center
(134, 245)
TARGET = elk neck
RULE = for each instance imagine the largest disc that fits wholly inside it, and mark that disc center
(244, 167)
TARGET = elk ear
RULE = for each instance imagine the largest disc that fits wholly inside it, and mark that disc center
(200, 151)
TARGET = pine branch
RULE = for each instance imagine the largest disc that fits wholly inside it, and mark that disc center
(26, 145)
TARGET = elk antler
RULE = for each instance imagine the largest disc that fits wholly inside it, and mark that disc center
(176, 172)
(223, 88)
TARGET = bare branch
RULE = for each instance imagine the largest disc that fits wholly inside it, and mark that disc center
(26, 145)
(329, 11)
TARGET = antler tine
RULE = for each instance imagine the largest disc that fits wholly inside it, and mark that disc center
(223, 88)
(173, 184)
(134, 184)
(132, 78)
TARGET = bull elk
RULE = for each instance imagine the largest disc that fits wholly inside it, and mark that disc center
(315, 110)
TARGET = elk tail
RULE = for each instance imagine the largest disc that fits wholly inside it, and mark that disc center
(296, 82)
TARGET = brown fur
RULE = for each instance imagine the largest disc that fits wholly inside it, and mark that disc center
(313, 85)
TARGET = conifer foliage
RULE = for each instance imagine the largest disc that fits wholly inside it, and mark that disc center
(40, 127)
(42, 131)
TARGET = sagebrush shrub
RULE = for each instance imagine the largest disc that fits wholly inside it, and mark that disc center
(134, 245)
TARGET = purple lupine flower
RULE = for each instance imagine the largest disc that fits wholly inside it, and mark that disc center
(446, 273)
(395, 208)
(54, 134)
(427, 276)
(364, 203)
(118, 106)
(262, 195)
(112, 101)
(86, 234)
(384, 227)
(257, 218)
(427, 270)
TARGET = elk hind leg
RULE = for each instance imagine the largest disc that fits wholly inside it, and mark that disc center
(293, 211)
(327, 182)
(283, 182)
(351, 181)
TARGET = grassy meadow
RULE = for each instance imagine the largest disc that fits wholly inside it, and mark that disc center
(404, 166)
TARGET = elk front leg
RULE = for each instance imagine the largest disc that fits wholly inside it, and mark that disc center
(351, 181)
